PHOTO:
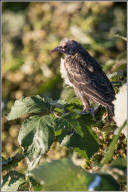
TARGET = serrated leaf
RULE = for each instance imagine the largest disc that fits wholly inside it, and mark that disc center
(36, 136)
(33, 104)
(65, 176)
(76, 132)
(86, 146)
(12, 181)
(85, 143)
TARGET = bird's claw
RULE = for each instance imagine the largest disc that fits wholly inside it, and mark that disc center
(93, 111)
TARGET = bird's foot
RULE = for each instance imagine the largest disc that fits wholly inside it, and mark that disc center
(86, 111)
(92, 111)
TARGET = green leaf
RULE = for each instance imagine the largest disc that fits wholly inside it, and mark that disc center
(122, 162)
(36, 136)
(118, 169)
(64, 175)
(35, 185)
(74, 104)
(57, 103)
(12, 181)
(86, 146)
(76, 132)
(74, 100)
(33, 104)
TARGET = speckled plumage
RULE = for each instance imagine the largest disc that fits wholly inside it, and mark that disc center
(86, 76)
(64, 73)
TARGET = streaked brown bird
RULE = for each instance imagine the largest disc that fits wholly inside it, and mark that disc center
(86, 76)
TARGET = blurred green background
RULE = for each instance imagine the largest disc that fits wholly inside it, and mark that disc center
(31, 29)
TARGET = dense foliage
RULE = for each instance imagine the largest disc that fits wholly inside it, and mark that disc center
(44, 136)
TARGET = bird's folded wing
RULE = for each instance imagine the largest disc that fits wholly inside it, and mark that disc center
(95, 84)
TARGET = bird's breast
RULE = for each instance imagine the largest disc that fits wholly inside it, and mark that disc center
(64, 74)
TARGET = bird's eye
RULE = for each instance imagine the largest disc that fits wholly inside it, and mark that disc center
(64, 46)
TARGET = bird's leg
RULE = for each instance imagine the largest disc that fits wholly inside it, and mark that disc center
(92, 111)
(86, 104)
(96, 109)
(87, 107)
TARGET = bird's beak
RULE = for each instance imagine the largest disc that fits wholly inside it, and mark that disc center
(57, 49)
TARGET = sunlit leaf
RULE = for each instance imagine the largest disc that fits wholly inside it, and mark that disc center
(12, 181)
(33, 104)
(64, 175)
(36, 136)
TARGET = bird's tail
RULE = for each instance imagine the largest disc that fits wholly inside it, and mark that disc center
(110, 110)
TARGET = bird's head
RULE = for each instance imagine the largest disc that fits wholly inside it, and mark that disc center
(67, 46)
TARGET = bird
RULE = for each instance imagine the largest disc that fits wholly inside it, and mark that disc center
(82, 72)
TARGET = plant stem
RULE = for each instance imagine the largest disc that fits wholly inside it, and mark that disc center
(113, 145)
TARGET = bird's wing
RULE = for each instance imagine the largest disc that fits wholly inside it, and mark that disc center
(90, 80)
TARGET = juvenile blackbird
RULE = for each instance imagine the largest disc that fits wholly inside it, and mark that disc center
(86, 76)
